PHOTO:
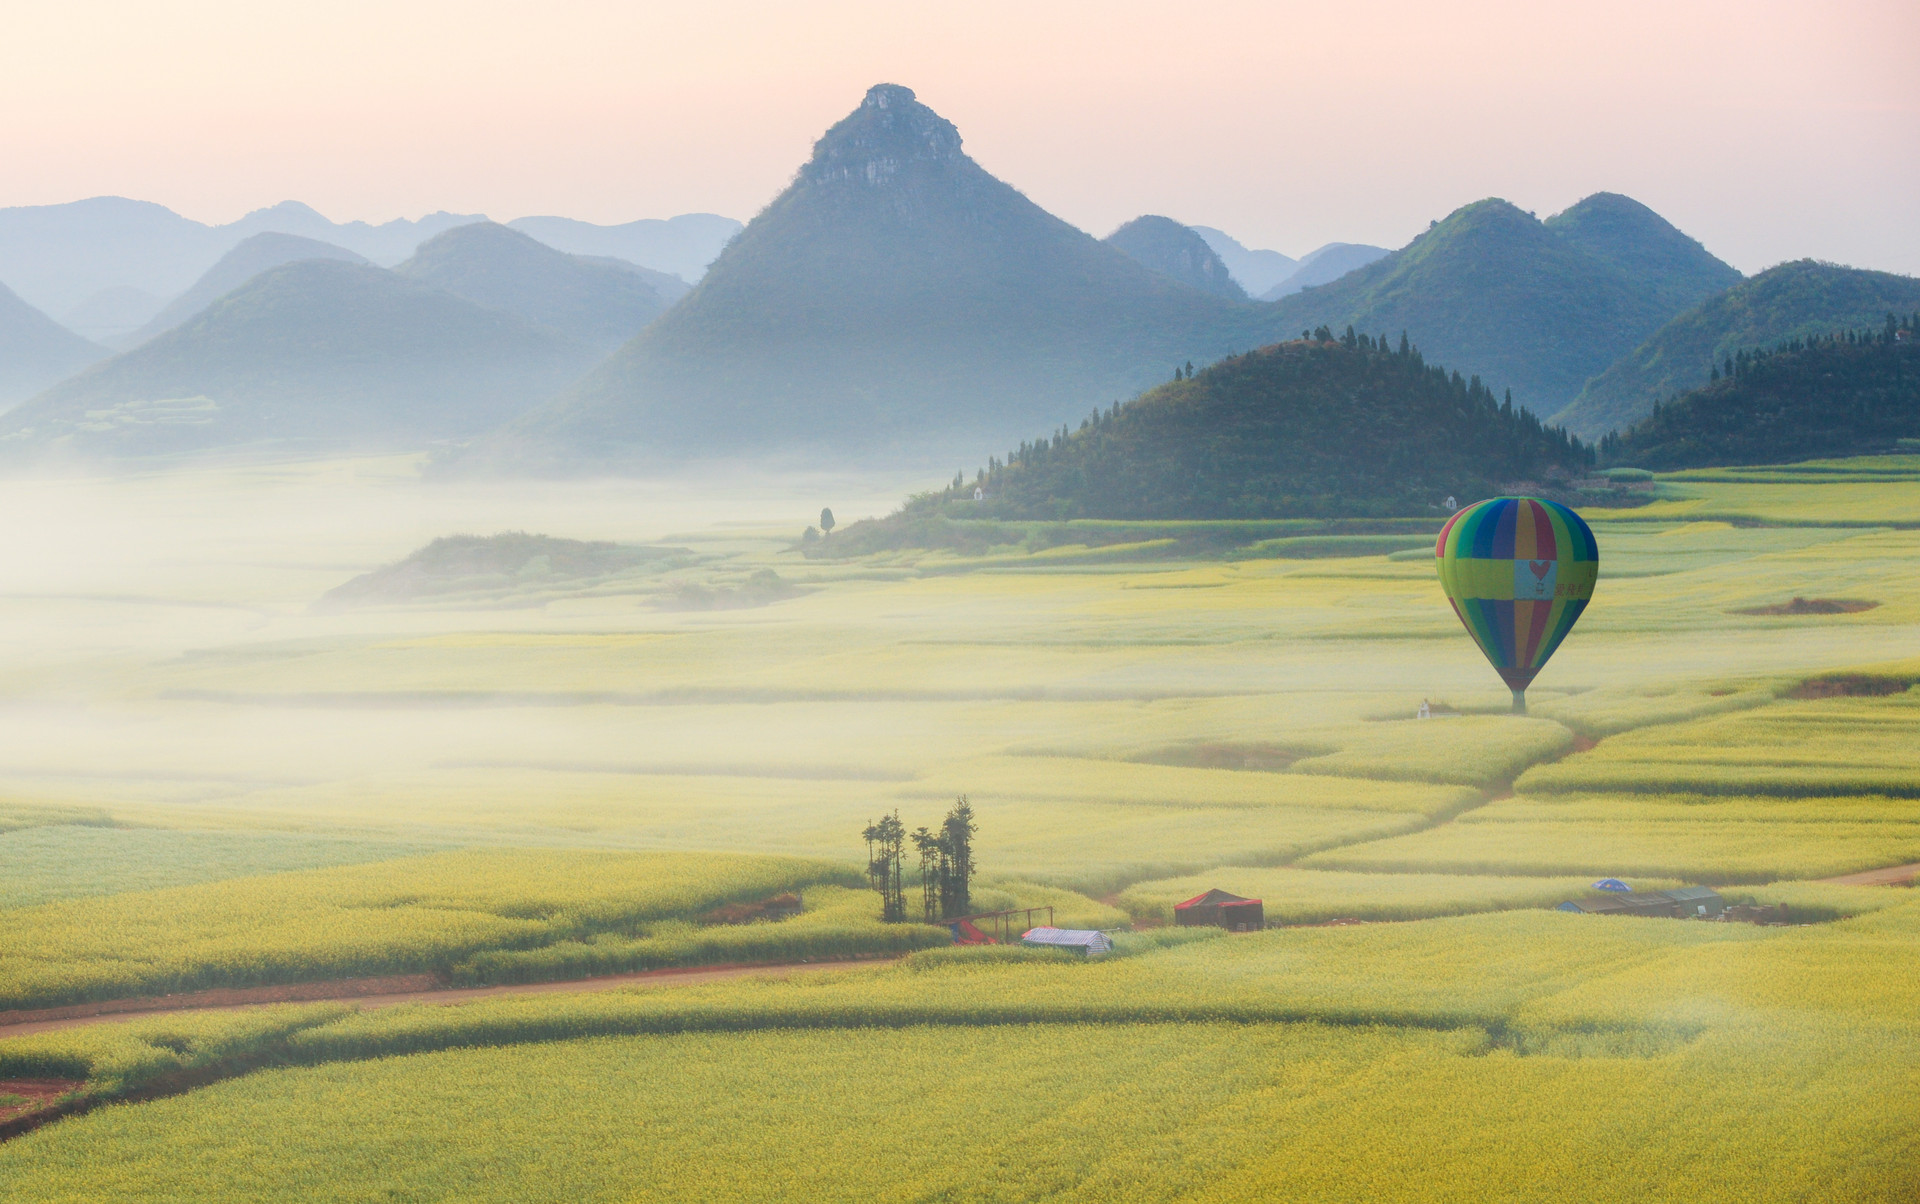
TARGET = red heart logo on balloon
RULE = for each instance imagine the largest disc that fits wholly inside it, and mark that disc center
(1540, 567)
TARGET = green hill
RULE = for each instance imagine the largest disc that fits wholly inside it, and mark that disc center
(318, 353)
(35, 350)
(1627, 235)
(600, 302)
(1316, 427)
(894, 295)
(252, 256)
(1831, 395)
(1539, 307)
(1796, 300)
(1173, 250)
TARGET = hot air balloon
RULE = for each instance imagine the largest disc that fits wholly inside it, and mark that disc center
(1518, 570)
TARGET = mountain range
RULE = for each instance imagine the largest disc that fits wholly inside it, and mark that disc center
(252, 256)
(1536, 306)
(1795, 300)
(67, 259)
(315, 355)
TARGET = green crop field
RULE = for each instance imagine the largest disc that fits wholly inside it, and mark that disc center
(208, 781)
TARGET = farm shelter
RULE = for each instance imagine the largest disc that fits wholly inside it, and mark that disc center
(1218, 909)
(1696, 900)
(1681, 902)
(1088, 941)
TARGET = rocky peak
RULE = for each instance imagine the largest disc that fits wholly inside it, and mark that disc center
(877, 141)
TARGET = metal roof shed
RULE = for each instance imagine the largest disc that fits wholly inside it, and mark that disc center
(1218, 909)
(1088, 941)
(1697, 900)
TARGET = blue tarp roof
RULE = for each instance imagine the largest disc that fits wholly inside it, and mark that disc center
(1612, 884)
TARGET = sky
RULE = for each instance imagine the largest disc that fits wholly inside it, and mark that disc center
(1770, 131)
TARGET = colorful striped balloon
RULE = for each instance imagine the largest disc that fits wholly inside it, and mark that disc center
(1518, 570)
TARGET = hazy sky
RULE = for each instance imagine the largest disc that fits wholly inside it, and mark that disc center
(1767, 130)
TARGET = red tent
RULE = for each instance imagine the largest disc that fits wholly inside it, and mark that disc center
(1219, 909)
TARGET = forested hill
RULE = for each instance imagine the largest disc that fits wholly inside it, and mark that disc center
(1316, 427)
(1840, 395)
(1800, 300)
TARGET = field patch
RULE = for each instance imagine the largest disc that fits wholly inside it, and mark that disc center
(430, 913)
(45, 864)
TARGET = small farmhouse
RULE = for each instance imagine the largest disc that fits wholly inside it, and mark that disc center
(1218, 909)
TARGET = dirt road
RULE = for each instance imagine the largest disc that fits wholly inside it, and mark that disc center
(1892, 875)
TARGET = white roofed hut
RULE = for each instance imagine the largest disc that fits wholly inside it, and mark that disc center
(1089, 942)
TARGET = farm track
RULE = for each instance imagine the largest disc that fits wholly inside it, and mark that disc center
(388, 992)
(1892, 875)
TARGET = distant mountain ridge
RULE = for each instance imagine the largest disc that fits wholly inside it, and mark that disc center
(1538, 307)
(250, 257)
(58, 257)
(1255, 271)
(35, 350)
(1323, 265)
(1167, 247)
(603, 303)
(682, 245)
(320, 355)
(1795, 300)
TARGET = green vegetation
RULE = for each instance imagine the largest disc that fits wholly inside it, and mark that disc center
(1314, 427)
(1534, 307)
(1841, 395)
(1794, 302)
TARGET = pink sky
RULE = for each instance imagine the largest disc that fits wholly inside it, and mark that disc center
(1769, 131)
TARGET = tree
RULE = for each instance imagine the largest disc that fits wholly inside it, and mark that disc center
(885, 841)
(956, 841)
(934, 869)
(826, 520)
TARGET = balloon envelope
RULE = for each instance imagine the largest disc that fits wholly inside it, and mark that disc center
(1518, 570)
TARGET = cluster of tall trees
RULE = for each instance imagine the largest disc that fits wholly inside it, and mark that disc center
(1849, 393)
(1324, 425)
(946, 864)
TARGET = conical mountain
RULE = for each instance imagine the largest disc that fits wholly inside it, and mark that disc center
(599, 302)
(1173, 250)
(895, 296)
(251, 257)
(1527, 305)
(35, 350)
(318, 354)
(1792, 301)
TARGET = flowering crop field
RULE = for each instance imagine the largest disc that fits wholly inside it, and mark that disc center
(209, 782)
(425, 913)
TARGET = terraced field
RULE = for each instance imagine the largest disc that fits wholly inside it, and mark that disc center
(210, 783)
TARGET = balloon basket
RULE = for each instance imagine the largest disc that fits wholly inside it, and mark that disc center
(1519, 702)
